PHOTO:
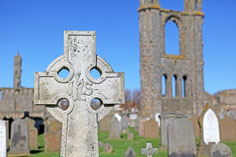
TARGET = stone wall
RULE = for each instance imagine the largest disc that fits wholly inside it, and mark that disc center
(155, 63)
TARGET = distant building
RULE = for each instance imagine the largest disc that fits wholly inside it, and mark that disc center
(171, 83)
(17, 101)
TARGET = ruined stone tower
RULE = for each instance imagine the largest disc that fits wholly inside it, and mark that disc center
(17, 71)
(159, 69)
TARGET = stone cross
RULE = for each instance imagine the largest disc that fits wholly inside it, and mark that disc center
(149, 151)
(69, 99)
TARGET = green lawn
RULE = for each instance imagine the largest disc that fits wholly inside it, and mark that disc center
(120, 146)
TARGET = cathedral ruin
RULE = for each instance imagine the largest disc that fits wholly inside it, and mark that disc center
(159, 69)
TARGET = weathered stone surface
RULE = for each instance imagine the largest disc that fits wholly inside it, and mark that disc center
(3, 138)
(151, 129)
(17, 100)
(52, 135)
(141, 127)
(220, 150)
(124, 122)
(130, 152)
(114, 128)
(194, 120)
(228, 129)
(19, 137)
(70, 100)
(107, 148)
(211, 132)
(149, 151)
(186, 67)
(166, 118)
(104, 124)
(181, 139)
(33, 134)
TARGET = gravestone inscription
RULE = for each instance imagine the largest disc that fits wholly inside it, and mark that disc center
(69, 99)
(19, 137)
(3, 138)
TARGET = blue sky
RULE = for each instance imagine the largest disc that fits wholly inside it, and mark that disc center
(35, 28)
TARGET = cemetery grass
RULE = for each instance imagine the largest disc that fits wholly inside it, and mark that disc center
(121, 146)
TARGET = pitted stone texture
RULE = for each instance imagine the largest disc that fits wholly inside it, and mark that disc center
(3, 138)
(181, 139)
(220, 150)
(80, 120)
(19, 137)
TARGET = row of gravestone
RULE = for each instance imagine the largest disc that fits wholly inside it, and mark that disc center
(116, 125)
(24, 136)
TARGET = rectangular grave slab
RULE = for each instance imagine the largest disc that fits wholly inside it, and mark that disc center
(151, 129)
(79, 100)
(3, 138)
(228, 129)
(181, 139)
(114, 128)
(166, 118)
(19, 137)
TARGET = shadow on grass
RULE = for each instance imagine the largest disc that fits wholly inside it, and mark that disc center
(35, 151)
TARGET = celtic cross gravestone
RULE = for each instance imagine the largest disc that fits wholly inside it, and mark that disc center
(71, 99)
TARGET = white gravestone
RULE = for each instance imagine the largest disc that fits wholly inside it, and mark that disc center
(69, 99)
(211, 131)
(157, 119)
(149, 151)
(118, 117)
(3, 138)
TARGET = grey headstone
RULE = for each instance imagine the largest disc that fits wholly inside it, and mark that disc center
(166, 118)
(3, 138)
(114, 128)
(149, 151)
(181, 139)
(19, 137)
(220, 150)
(130, 152)
(70, 100)
(124, 122)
